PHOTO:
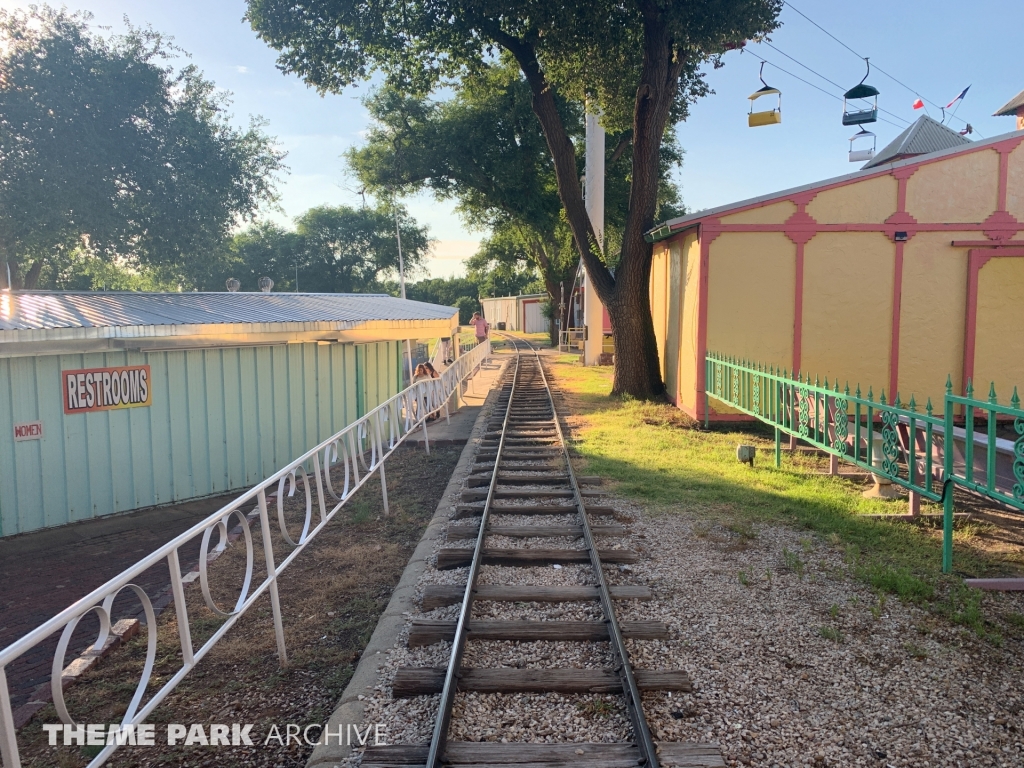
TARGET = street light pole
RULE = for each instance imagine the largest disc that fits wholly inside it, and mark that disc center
(401, 287)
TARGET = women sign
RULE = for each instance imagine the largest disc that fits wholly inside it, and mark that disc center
(101, 389)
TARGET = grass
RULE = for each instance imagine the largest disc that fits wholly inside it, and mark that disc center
(660, 457)
(831, 633)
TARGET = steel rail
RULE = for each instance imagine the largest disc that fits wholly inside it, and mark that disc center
(641, 731)
(439, 738)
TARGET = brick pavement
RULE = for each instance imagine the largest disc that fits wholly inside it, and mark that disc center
(43, 572)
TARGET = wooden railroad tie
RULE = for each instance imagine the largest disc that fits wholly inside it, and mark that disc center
(430, 631)
(456, 532)
(439, 595)
(426, 681)
(473, 494)
(463, 511)
(491, 754)
(458, 557)
(559, 478)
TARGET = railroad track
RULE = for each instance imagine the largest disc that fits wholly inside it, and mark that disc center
(522, 469)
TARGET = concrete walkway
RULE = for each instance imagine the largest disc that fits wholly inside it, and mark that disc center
(461, 421)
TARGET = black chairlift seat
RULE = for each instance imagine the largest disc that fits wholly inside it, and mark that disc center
(862, 90)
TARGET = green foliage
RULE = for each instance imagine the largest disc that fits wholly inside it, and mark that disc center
(458, 292)
(638, 64)
(831, 633)
(334, 250)
(103, 145)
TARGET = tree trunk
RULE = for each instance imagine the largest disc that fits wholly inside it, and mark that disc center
(626, 297)
(32, 277)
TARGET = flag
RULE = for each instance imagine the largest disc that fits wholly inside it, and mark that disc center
(962, 94)
(918, 104)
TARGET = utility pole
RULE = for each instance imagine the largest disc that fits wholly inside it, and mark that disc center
(593, 310)
(401, 287)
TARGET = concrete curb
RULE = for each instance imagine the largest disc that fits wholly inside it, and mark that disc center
(350, 709)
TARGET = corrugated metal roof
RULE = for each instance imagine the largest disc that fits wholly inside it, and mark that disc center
(923, 137)
(22, 310)
(1010, 108)
(672, 226)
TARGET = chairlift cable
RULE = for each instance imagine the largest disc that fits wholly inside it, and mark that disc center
(832, 82)
(878, 68)
(816, 87)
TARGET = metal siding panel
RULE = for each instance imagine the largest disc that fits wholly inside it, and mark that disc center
(96, 459)
(249, 414)
(8, 494)
(295, 407)
(311, 395)
(118, 426)
(263, 376)
(351, 385)
(50, 408)
(140, 428)
(360, 366)
(234, 426)
(213, 363)
(198, 422)
(280, 434)
(180, 445)
(26, 462)
(161, 446)
(76, 451)
(324, 390)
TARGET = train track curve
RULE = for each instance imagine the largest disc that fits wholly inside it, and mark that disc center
(523, 469)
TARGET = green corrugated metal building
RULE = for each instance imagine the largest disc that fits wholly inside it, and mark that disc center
(219, 391)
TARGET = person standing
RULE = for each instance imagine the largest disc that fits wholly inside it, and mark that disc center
(480, 327)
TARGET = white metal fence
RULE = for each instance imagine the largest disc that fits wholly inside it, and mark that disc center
(360, 449)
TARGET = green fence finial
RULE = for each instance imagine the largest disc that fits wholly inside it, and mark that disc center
(847, 390)
(949, 384)
(992, 393)
(896, 402)
(881, 398)
(970, 389)
(816, 382)
(928, 408)
(871, 392)
(857, 394)
(1015, 400)
(912, 405)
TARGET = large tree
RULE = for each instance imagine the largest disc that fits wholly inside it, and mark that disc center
(637, 63)
(105, 147)
(483, 147)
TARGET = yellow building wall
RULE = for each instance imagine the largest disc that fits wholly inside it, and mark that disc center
(659, 296)
(959, 188)
(1015, 184)
(999, 344)
(847, 308)
(750, 296)
(776, 213)
(867, 202)
(689, 314)
(932, 315)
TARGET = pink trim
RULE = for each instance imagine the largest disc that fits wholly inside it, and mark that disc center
(894, 345)
(798, 309)
(976, 259)
(898, 221)
(900, 174)
(987, 243)
(702, 317)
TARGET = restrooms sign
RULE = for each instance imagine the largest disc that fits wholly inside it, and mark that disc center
(102, 389)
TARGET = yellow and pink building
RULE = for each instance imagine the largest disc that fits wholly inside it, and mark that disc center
(891, 277)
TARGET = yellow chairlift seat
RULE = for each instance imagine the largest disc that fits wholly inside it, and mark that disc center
(768, 116)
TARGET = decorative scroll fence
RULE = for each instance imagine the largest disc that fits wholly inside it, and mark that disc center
(914, 448)
(356, 453)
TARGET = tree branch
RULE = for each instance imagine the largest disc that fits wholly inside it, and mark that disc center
(564, 155)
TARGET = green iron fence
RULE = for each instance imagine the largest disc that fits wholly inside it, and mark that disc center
(927, 454)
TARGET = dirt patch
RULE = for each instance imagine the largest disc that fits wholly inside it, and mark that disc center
(331, 595)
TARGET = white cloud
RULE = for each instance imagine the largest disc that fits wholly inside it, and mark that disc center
(241, 70)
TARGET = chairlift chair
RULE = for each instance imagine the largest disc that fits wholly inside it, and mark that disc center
(768, 116)
(863, 152)
(853, 115)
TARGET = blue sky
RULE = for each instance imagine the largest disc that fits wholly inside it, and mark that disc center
(937, 48)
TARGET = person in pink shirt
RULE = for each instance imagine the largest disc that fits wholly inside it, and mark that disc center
(480, 327)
